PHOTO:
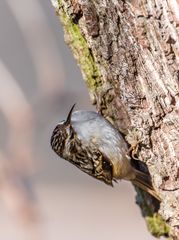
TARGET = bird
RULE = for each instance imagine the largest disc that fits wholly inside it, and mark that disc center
(91, 143)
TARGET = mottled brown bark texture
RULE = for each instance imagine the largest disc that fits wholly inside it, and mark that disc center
(129, 55)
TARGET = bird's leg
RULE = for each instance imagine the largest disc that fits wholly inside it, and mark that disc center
(134, 138)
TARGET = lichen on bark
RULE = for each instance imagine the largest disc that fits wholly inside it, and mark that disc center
(80, 48)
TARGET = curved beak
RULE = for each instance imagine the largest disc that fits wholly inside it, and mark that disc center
(68, 120)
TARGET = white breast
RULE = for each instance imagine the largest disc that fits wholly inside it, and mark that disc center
(92, 128)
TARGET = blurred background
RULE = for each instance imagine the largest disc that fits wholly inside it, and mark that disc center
(41, 195)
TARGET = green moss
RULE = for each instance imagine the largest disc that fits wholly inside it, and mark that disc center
(157, 226)
(80, 49)
(155, 223)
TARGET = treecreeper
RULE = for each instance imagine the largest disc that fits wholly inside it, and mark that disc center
(91, 143)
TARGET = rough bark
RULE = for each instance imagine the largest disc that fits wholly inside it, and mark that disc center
(128, 52)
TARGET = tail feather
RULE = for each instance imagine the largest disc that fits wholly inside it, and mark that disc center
(142, 180)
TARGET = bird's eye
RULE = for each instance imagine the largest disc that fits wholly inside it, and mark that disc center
(106, 165)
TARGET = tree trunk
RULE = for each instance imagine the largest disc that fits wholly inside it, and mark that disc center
(128, 54)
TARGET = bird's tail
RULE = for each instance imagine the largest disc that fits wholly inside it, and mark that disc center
(142, 181)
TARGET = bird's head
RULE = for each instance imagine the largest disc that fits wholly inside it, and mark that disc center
(60, 134)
